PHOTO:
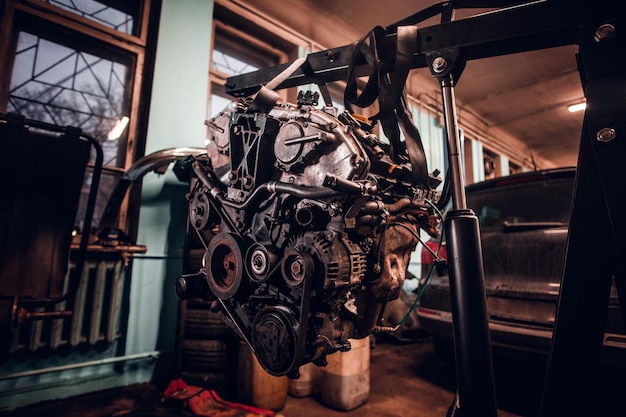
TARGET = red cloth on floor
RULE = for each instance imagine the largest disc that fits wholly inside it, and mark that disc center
(206, 402)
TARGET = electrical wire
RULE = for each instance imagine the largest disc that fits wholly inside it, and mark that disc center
(428, 276)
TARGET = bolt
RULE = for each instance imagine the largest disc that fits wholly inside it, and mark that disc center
(606, 135)
(604, 33)
(439, 64)
(248, 182)
(297, 267)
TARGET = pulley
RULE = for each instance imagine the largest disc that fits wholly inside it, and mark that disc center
(275, 340)
(224, 264)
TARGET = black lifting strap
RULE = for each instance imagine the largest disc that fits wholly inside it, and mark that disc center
(366, 48)
(394, 114)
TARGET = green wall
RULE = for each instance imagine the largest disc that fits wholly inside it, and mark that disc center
(177, 114)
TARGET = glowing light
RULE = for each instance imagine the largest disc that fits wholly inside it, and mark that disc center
(577, 107)
(118, 129)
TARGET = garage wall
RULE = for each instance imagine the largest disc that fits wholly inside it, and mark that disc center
(177, 114)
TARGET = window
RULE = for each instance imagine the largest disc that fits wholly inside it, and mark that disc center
(64, 86)
(237, 52)
(119, 15)
(224, 61)
(78, 64)
(224, 64)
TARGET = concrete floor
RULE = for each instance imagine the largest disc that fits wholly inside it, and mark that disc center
(407, 379)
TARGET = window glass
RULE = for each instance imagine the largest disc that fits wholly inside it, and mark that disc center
(236, 51)
(57, 84)
(218, 103)
(120, 17)
(227, 60)
(229, 65)
(538, 201)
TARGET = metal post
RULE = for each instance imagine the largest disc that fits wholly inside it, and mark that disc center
(573, 379)
(457, 184)
(475, 379)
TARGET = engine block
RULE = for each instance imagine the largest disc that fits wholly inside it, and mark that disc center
(310, 228)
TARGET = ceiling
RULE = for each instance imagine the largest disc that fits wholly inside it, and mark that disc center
(519, 101)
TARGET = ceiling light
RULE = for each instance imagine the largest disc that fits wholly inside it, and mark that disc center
(577, 107)
(118, 129)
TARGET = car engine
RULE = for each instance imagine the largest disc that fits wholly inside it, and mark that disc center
(308, 223)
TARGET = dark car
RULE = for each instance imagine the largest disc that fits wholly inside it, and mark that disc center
(523, 226)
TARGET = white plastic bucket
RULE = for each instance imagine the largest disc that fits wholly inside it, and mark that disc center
(345, 381)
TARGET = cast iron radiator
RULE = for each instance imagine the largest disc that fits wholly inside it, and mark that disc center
(96, 307)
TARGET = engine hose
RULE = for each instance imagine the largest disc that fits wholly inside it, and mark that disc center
(373, 206)
(368, 219)
(348, 187)
(215, 192)
(398, 205)
(299, 191)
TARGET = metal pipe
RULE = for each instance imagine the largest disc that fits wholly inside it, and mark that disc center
(158, 159)
(154, 354)
(138, 170)
(24, 314)
(457, 179)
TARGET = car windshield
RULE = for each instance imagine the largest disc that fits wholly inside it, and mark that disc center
(546, 203)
